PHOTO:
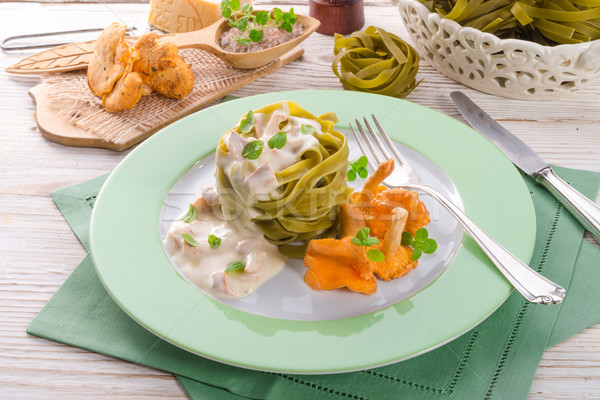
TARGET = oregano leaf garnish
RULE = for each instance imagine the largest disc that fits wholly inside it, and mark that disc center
(351, 174)
(407, 238)
(375, 255)
(191, 215)
(214, 242)
(251, 24)
(256, 35)
(358, 167)
(253, 150)
(307, 129)
(247, 124)
(421, 243)
(189, 239)
(235, 267)
(278, 140)
(362, 238)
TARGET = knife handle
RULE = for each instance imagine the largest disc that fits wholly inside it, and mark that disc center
(582, 208)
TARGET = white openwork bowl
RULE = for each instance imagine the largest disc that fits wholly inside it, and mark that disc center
(505, 67)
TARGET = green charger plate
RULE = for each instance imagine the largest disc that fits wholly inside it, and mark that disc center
(131, 263)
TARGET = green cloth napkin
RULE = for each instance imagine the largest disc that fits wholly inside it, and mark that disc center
(495, 360)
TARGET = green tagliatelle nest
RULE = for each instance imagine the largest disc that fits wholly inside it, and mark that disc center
(376, 61)
(305, 203)
(547, 22)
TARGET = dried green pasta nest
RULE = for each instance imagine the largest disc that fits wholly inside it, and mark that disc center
(376, 61)
(547, 22)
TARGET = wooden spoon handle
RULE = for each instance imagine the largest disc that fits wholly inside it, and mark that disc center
(290, 56)
(189, 40)
(201, 39)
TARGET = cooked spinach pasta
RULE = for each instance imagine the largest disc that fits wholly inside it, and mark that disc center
(284, 169)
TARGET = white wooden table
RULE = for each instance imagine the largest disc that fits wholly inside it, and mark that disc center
(38, 251)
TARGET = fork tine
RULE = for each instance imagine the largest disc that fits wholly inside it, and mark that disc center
(363, 149)
(370, 144)
(390, 145)
(382, 147)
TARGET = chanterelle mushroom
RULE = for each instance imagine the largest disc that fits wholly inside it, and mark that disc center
(121, 75)
(161, 67)
(387, 213)
(398, 258)
(109, 59)
(126, 92)
(333, 264)
(377, 202)
(352, 219)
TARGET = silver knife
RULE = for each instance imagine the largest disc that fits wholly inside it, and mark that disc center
(584, 210)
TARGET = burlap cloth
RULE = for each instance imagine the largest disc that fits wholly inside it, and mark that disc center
(82, 120)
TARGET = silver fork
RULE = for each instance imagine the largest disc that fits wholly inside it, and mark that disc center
(533, 286)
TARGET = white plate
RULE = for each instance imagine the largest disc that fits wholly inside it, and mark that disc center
(286, 296)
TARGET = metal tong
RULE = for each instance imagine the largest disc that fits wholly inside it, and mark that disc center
(7, 47)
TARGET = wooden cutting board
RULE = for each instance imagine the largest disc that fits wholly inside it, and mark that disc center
(67, 112)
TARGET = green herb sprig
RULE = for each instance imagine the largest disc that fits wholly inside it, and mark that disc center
(375, 255)
(307, 129)
(358, 167)
(235, 267)
(191, 215)
(362, 238)
(189, 239)
(278, 140)
(247, 123)
(253, 150)
(421, 243)
(252, 25)
(214, 241)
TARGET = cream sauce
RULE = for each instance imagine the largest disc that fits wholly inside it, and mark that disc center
(241, 241)
(258, 176)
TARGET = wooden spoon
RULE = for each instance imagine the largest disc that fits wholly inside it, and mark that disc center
(74, 56)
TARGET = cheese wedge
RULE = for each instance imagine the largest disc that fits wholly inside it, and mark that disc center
(176, 16)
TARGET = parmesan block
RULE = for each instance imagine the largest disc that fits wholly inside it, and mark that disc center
(176, 16)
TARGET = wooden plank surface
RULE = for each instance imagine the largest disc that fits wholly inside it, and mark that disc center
(38, 251)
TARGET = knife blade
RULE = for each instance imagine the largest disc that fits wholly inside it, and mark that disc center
(582, 208)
